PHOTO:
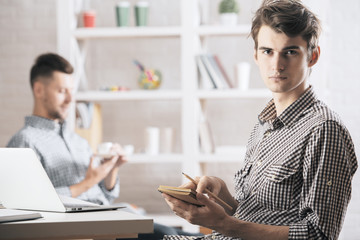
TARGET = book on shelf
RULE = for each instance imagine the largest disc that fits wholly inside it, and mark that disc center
(212, 72)
(84, 114)
(207, 144)
(223, 72)
(184, 194)
(217, 71)
(93, 134)
(11, 215)
(205, 80)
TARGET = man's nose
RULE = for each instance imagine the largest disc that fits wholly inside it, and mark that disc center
(69, 97)
(278, 64)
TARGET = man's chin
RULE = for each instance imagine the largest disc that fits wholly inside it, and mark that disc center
(61, 117)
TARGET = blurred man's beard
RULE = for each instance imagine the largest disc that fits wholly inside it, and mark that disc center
(57, 115)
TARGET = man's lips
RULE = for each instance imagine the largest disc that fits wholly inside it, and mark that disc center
(277, 78)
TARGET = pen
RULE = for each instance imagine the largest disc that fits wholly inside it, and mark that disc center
(210, 193)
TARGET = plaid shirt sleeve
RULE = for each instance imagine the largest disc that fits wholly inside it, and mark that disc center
(329, 165)
(113, 193)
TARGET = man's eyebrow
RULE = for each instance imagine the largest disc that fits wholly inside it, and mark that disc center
(291, 47)
(284, 49)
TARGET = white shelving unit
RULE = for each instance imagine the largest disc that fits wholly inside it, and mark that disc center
(128, 95)
(131, 32)
(72, 43)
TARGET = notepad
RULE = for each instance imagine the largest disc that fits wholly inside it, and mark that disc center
(10, 215)
(184, 194)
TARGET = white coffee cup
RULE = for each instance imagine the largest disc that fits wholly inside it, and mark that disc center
(128, 149)
(105, 147)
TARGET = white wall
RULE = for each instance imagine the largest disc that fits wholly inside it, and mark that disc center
(28, 28)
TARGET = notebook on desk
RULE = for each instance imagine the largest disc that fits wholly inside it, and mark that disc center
(25, 185)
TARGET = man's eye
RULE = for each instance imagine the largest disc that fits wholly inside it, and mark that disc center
(290, 52)
(267, 52)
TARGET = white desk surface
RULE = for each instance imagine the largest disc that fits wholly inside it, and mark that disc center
(95, 225)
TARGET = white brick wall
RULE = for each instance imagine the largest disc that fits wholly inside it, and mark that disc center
(28, 28)
(345, 85)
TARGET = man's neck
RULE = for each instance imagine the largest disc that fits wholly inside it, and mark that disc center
(39, 113)
(284, 100)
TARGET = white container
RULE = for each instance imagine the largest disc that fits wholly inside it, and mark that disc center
(152, 138)
(166, 140)
(229, 19)
(243, 75)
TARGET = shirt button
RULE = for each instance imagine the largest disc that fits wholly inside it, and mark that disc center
(267, 133)
(258, 163)
(213, 236)
(253, 192)
(273, 176)
(329, 183)
(237, 215)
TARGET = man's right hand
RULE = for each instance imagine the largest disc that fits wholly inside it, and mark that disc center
(93, 176)
(215, 185)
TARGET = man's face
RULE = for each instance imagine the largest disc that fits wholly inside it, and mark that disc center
(57, 96)
(283, 61)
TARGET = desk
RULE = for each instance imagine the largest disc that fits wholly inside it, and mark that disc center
(94, 225)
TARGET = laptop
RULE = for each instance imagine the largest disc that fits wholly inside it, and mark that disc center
(25, 185)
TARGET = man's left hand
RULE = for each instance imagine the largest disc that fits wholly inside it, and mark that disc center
(119, 154)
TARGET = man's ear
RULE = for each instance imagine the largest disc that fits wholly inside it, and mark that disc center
(38, 89)
(314, 57)
(255, 56)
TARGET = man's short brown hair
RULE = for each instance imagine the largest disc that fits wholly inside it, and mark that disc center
(46, 64)
(290, 17)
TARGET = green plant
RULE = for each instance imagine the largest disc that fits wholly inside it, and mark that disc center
(228, 6)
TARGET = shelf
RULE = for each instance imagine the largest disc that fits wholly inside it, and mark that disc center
(169, 95)
(128, 95)
(233, 94)
(161, 158)
(220, 30)
(126, 32)
(216, 158)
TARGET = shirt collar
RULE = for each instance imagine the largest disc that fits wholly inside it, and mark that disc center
(291, 113)
(44, 123)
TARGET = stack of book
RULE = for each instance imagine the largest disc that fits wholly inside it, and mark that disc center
(206, 138)
(212, 72)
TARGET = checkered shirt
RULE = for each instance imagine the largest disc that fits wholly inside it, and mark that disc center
(298, 171)
(64, 155)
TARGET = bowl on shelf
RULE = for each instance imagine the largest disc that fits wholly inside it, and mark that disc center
(150, 79)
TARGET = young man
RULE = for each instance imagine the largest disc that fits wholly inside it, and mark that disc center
(300, 159)
(66, 157)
